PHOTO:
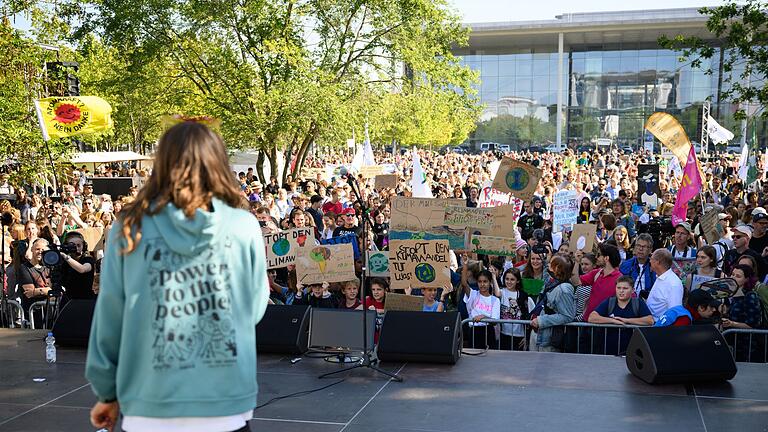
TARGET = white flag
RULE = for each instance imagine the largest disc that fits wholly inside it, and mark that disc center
(368, 158)
(717, 133)
(357, 161)
(744, 163)
(419, 183)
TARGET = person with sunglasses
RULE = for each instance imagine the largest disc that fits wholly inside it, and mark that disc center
(741, 237)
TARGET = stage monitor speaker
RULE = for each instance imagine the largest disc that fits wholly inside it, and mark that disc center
(73, 325)
(662, 355)
(283, 329)
(420, 337)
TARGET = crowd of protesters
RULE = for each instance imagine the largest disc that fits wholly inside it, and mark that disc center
(627, 279)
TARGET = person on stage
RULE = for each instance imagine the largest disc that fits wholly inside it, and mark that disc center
(183, 285)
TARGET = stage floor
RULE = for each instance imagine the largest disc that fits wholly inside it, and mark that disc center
(500, 391)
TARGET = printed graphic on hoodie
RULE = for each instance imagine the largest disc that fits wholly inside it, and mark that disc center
(191, 308)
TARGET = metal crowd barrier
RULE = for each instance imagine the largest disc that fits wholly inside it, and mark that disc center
(579, 337)
(748, 345)
(14, 313)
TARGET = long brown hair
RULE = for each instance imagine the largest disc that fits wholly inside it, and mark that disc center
(190, 168)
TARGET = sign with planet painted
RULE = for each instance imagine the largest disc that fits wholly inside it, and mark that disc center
(419, 263)
(583, 237)
(517, 178)
(490, 245)
(424, 219)
(282, 246)
(325, 263)
(377, 264)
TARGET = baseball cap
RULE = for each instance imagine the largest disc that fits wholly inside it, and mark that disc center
(758, 214)
(685, 225)
(744, 229)
(349, 211)
(699, 297)
(723, 216)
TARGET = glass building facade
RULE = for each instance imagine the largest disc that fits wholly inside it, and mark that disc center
(609, 90)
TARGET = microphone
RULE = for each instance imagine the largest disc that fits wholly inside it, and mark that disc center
(344, 172)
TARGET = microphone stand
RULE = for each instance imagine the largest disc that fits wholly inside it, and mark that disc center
(366, 360)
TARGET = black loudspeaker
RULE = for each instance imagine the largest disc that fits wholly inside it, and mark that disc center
(73, 325)
(427, 337)
(660, 355)
(284, 329)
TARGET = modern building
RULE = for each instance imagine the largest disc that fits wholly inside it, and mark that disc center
(604, 72)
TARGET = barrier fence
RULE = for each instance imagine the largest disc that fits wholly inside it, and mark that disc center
(747, 345)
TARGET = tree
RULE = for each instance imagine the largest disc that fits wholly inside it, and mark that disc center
(282, 74)
(741, 32)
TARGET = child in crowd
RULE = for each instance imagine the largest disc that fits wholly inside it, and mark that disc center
(318, 296)
(515, 305)
(375, 301)
(350, 290)
(430, 304)
(481, 303)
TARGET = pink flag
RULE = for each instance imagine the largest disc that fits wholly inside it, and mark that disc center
(690, 186)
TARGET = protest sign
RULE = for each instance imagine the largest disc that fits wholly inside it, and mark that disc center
(385, 181)
(648, 191)
(684, 268)
(583, 237)
(710, 226)
(565, 209)
(403, 302)
(325, 263)
(419, 263)
(490, 245)
(517, 178)
(504, 222)
(371, 171)
(282, 246)
(468, 217)
(377, 263)
(697, 280)
(491, 197)
(424, 219)
(533, 287)
(349, 238)
(92, 237)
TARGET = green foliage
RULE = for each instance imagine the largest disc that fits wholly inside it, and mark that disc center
(741, 29)
(509, 129)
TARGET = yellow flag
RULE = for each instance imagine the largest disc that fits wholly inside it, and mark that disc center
(68, 116)
(671, 133)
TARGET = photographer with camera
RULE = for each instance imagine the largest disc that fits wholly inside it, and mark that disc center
(78, 267)
(682, 242)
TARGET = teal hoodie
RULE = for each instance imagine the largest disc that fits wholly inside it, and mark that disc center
(173, 333)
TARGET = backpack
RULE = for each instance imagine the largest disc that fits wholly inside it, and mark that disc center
(634, 302)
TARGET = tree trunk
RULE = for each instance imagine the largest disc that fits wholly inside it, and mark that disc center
(260, 167)
(301, 154)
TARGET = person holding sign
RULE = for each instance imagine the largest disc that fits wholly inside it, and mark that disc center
(481, 303)
(706, 266)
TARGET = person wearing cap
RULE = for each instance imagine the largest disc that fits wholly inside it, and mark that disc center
(702, 306)
(350, 224)
(759, 240)
(681, 243)
(255, 194)
(741, 236)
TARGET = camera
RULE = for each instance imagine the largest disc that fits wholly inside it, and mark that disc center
(538, 235)
(52, 257)
(660, 229)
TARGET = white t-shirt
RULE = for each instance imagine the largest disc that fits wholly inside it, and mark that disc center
(510, 308)
(186, 424)
(666, 293)
(481, 305)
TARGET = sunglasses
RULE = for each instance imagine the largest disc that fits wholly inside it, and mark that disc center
(736, 237)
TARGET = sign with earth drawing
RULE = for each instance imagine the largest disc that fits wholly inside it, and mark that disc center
(282, 246)
(419, 263)
(325, 263)
(377, 263)
(517, 178)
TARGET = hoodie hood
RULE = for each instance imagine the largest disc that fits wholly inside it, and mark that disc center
(187, 236)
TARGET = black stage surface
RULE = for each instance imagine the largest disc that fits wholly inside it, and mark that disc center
(500, 391)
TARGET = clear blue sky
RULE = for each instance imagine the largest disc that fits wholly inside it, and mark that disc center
(522, 10)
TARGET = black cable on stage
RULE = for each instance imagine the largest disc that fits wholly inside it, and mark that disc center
(300, 393)
(481, 353)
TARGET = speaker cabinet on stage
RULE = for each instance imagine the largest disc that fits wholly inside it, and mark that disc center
(660, 355)
(420, 337)
(284, 329)
(73, 325)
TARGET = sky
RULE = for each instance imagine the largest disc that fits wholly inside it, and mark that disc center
(475, 11)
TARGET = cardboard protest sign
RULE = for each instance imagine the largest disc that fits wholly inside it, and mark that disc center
(697, 280)
(504, 222)
(403, 302)
(424, 219)
(583, 237)
(565, 209)
(371, 171)
(93, 237)
(490, 245)
(349, 238)
(419, 263)
(325, 263)
(385, 181)
(517, 178)
(377, 263)
(282, 246)
(684, 268)
(468, 217)
(711, 227)
(491, 197)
